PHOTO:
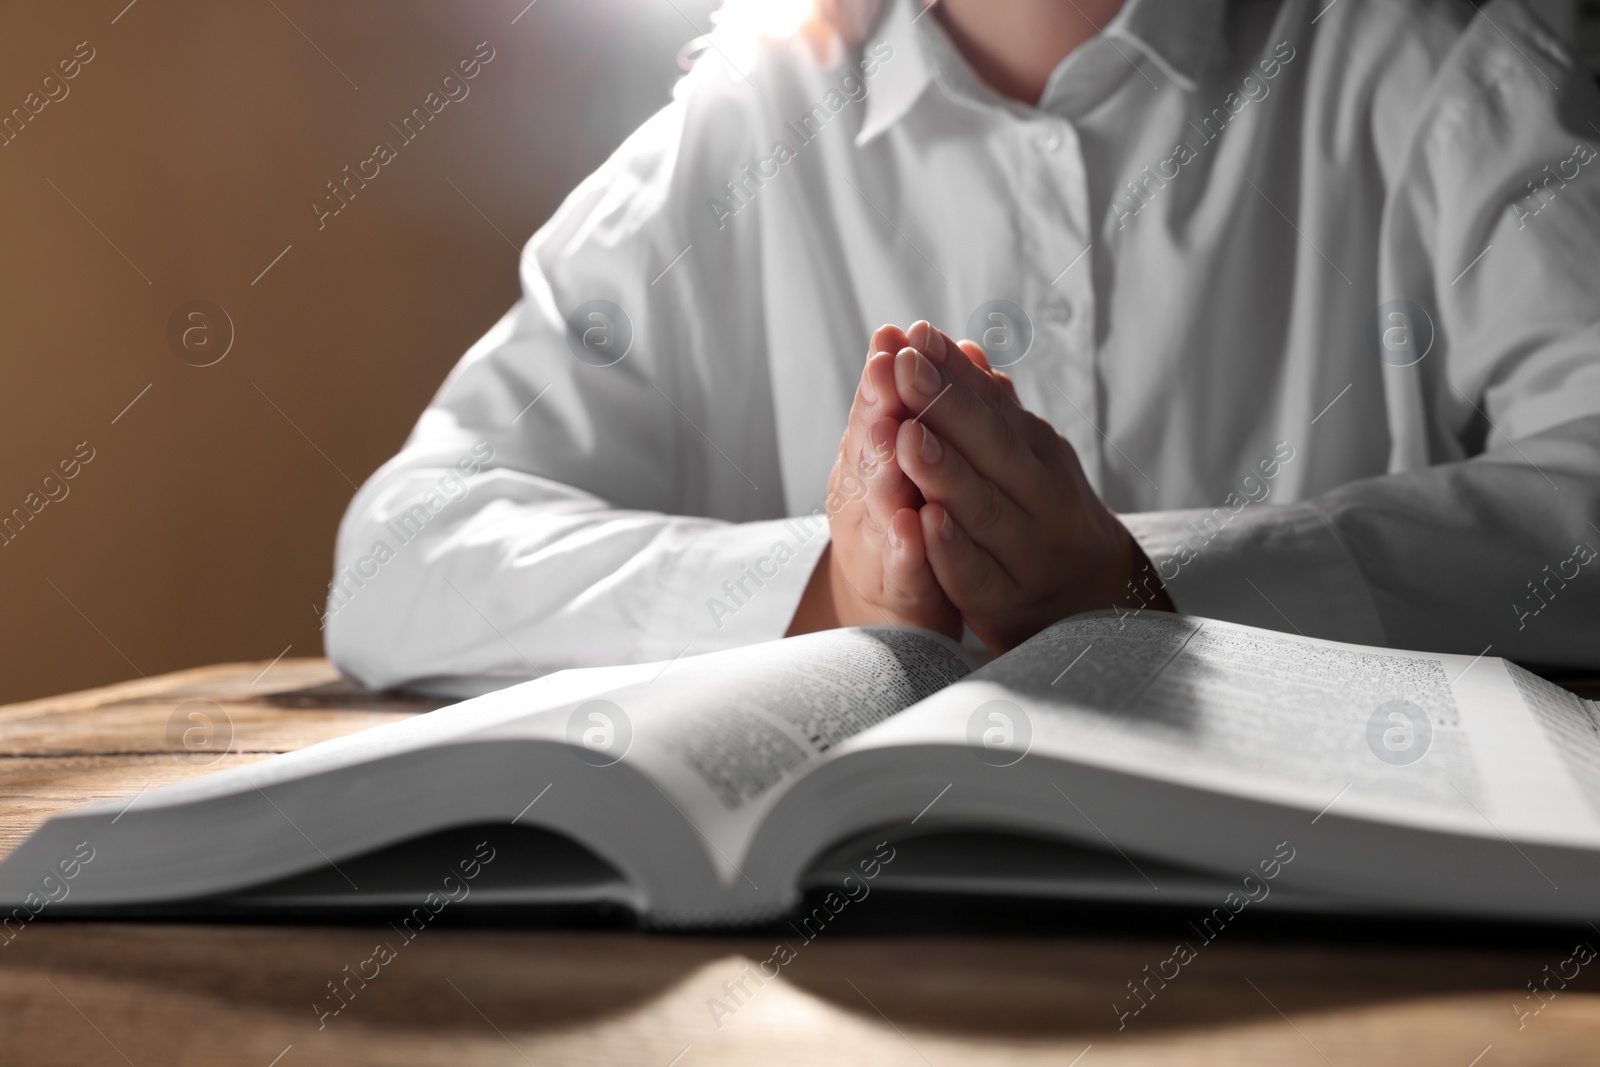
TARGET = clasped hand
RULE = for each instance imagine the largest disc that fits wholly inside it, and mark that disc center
(951, 503)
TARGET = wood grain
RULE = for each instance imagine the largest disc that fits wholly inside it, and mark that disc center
(89, 993)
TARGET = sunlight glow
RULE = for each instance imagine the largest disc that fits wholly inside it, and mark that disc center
(757, 19)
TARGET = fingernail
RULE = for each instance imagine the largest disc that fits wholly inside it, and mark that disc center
(894, 538)
(924, 376)
(931, 448)
(868, 393)
(947, 529)
(926, 339)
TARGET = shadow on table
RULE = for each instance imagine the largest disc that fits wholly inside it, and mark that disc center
(889, 963)
(1030, 970)
(523, 980)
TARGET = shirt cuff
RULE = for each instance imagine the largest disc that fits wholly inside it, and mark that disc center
(734, 585)
(1280, 567)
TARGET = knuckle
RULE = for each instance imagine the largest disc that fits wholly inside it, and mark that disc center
(990, 508)
(1031, 437)
(1011, 440)
(1041, 437)
(988, 586)
(975, 383)
(903, 598)
(993, 391)
(1051, 434)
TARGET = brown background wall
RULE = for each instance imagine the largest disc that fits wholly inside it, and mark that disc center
(182, 160)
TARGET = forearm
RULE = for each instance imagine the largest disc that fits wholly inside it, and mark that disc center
(521, 576)
(1454, 558)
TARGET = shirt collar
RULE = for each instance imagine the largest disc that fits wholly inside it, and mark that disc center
(1177, 35)
(906, 73)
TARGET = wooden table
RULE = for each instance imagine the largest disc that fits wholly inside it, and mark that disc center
(99, 993)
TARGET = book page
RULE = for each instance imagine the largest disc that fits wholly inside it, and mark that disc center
(1436, 740)
(1257, 702)
(721, 733)
(1573, 725)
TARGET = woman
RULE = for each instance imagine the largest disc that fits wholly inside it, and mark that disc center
(1285, 313)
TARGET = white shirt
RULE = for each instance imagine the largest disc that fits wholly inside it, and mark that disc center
(1280, 261)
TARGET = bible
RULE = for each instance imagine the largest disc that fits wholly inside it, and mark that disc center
(1114, 757)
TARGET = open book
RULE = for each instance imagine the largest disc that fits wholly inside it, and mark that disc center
(1150, 757)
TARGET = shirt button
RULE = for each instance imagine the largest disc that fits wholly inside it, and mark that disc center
(1050, 140)
(1058, 311)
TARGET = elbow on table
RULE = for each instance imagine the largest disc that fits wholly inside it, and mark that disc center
(363, 647)
(368, 619)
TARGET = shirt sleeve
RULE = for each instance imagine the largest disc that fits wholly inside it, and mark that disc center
(1492, 554)
(1484, 536)
(597, 481)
